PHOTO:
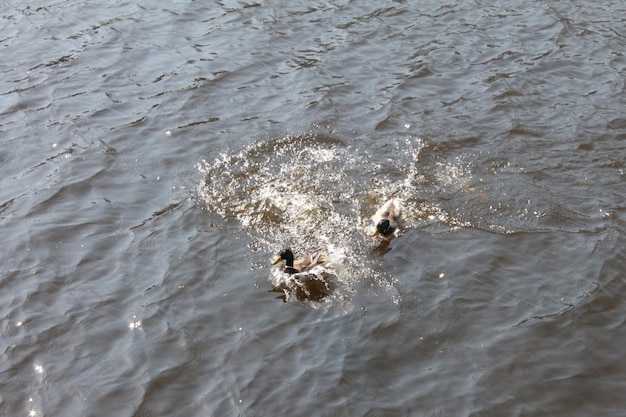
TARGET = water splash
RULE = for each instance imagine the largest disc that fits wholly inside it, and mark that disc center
(310, 190)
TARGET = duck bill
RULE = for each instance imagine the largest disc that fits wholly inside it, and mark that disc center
(277, 260)
(375, 233)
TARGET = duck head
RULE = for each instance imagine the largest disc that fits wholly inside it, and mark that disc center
(287, 256)
(383, 227)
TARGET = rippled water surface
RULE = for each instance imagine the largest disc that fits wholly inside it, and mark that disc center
(155, 157)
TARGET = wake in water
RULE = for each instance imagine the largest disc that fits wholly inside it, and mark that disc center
(309, 190)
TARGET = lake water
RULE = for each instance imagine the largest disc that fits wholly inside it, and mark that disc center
(156, 156)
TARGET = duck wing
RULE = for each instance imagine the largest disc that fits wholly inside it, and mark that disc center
(390, 211)
(308, 262)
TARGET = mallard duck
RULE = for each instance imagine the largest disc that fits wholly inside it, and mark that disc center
(299, 265)
(387, 219)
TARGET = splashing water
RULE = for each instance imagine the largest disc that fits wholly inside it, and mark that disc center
(310, 190)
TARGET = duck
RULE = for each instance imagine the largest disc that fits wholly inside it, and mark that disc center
(299, 265)
(387, 219)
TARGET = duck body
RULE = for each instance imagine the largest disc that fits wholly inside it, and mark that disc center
(303, 282)
(387, 219)
(295, 266)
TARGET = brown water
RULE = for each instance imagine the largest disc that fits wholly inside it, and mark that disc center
(156, 156)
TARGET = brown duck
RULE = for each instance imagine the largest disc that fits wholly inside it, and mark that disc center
(387, 219)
